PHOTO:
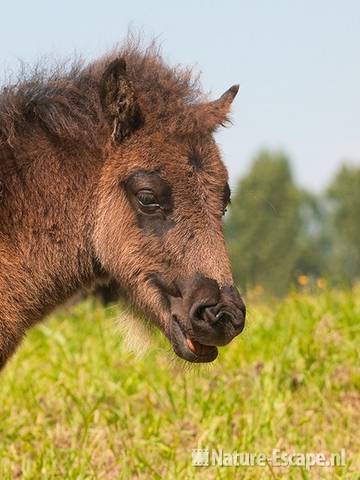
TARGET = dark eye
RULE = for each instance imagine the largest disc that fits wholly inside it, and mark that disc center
(147, 200)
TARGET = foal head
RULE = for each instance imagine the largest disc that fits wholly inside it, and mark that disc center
(161, 200)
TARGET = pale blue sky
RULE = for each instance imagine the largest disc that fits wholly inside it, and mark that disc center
(298, 64)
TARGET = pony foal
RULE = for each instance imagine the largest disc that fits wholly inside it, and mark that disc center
(110, 170)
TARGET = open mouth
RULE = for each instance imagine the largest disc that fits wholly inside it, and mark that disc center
(188, 348)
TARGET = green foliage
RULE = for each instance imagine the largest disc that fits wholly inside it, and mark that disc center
(344, 194)
(315, 239)
(264, 224)
(75, 405)
(277, 232)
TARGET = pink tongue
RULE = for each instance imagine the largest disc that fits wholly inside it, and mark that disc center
(191, 345)
(197, 348)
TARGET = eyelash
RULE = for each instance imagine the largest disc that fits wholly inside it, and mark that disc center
(150, 207)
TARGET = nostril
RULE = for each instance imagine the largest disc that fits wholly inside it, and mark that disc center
(237, 320)
(224, 317)
(219, 317)
(206, 313)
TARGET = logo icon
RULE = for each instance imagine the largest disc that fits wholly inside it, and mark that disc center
(200, 457)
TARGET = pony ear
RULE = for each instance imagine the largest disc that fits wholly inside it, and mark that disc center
(118, 100)
(216, 113)
(206, 117)
(228, 97)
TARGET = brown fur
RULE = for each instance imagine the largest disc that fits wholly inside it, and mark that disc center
(68, 139)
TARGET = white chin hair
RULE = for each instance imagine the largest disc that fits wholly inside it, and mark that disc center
(136, 331)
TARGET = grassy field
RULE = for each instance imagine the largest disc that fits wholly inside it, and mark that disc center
(75, 405)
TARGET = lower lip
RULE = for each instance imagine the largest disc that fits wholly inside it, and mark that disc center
(209, 356)
(194, 346)
(190, 349)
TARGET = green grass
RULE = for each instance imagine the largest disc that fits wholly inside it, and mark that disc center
(75, 405)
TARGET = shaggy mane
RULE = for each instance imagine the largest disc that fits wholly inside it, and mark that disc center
(65, 102)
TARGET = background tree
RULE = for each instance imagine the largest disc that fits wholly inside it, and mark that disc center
(344, 213)
(315, 237)
(264, 224)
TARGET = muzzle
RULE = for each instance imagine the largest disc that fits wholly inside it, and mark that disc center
(203, 317)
